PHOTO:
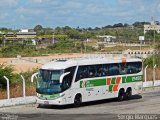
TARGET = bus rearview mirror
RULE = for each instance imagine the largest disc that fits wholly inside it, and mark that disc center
(62, 76)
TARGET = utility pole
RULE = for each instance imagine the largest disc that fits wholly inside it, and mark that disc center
(153, 24)
(4, 42)
(81, 46)
(53, 39)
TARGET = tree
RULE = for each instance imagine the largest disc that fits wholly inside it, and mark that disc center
(5, 71)
(126, 25)
(39, 29)
(149, 35)
(118, 25)
(140, 24)
(48, 31)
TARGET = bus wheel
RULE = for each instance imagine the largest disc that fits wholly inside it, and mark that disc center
(121, 95)
(128, 93)
(39, 106)
(77, 100)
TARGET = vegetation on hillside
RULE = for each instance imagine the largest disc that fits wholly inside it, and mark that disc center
(68, 39)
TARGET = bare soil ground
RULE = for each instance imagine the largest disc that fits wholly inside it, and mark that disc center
(20, 66)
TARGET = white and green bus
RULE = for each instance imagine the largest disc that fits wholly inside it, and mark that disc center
(64, 82)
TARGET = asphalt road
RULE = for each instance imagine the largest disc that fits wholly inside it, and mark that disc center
(146, 105)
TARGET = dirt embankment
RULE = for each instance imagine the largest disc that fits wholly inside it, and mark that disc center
(24, 64)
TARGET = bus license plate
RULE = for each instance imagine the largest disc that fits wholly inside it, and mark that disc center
(46, 102)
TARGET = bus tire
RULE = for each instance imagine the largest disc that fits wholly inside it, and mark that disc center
(40, 106)
(121, 95)
(77, 100)
(128, 93)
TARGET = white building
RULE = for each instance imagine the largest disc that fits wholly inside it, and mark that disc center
(24, 30)
(152, 26)
(107, 38)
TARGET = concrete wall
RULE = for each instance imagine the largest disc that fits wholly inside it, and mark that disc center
(17, 101)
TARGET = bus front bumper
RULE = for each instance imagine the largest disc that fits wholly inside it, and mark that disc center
(57, 101)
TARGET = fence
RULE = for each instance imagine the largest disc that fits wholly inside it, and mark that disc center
(19, 100)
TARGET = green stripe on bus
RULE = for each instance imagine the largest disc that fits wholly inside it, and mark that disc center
(101, 82)
(113, 81)
(124, 79)
(81, 84)
(54, 95)
(129, 79)
(110, 88)
(97, 82)
(134, 79)
(49, 96)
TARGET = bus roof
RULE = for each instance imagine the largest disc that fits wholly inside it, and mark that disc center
(63, 64)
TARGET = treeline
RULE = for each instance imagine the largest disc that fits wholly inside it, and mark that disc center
(77, 32)
(39, 28)
(123, 32)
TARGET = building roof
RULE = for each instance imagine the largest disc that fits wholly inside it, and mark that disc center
(10, 33)
(26, 33)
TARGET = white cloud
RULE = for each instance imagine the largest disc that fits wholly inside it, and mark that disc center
(29, 11)
(41, 1)
(8, 3)
(3, 16)
(38, 1)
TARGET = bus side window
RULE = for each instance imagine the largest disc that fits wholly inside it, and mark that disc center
(67, 80)
(137, 67)
(91, 71)
(81, 73)
(114, 69)
(131, 68)
(105, 70)
(123, 68)
(99, 71)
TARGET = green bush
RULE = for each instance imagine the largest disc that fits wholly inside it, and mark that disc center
(149, 61)
(21, 49)
(63, 46)
(8, 72)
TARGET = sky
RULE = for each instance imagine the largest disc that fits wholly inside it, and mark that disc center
(18, 14)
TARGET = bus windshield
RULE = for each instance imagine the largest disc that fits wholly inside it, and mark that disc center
(49, 81)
